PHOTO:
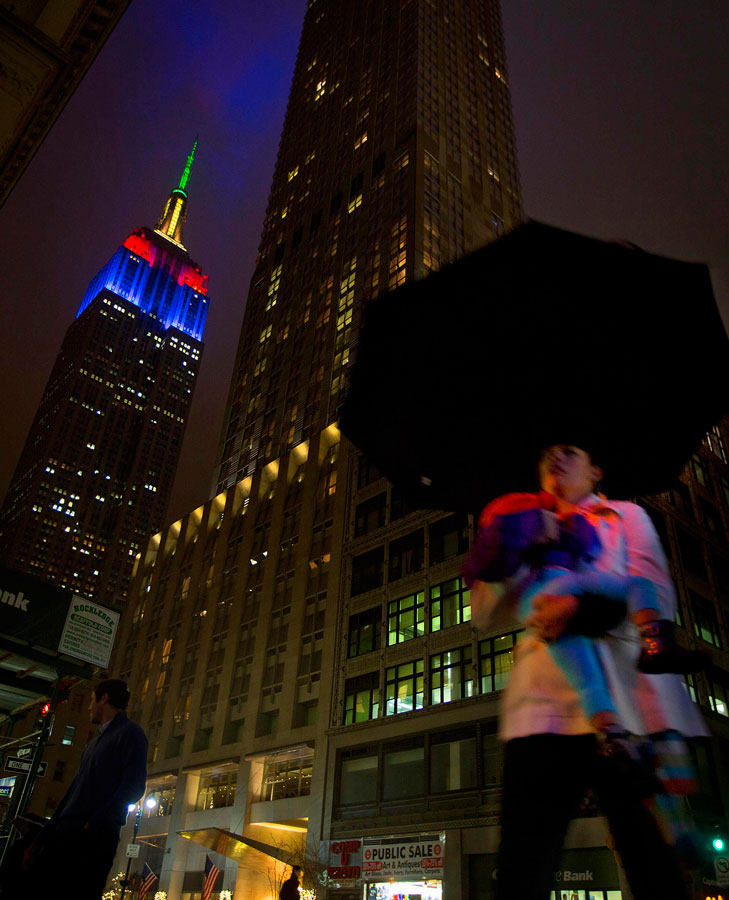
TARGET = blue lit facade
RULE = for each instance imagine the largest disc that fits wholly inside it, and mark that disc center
(159, 277)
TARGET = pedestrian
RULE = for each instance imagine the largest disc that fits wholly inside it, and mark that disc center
(79, 842)
(551, 754)
(559, 543)
(291, 888)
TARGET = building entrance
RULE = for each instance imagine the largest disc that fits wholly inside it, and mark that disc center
(403, 890)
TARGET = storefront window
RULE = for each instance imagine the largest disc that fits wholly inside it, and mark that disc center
(216, 791)
(358, 780)
(585, 895)
(165, 798)
(288, 778)
(404, 773)
(399, 890)
(453, 765)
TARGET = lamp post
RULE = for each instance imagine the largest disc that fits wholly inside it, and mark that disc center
(137, 808)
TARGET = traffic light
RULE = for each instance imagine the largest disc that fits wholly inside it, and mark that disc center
(718, 843)
(44, 709)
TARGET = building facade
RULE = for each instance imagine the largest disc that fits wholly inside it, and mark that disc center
(299, 648)
(46, 48)
(96, 472)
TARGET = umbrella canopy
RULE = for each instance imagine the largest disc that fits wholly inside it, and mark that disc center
(541, 337)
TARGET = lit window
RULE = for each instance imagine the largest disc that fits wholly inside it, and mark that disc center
(404, 688)
(496, 659)
(451, 675)
(405, 618)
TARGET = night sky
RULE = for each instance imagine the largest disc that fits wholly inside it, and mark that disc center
(622, 132)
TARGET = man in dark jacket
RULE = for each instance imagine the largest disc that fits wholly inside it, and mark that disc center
(290, 887)
(80, 840)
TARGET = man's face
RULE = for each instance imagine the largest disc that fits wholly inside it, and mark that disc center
(568, 472)
(95, 708)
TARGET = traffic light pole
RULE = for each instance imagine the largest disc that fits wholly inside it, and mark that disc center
(27, 781)
(39, 748)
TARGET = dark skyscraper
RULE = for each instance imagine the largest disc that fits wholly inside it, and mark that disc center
(95, 475)
(397, 155)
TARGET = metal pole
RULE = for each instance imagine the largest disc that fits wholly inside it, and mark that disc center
(6, 827)
(39, 748)
(27, 786)
(137, 820)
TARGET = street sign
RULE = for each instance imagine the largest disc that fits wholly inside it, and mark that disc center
(89, 631)
(133, 851)
(15, 764)
(24, 752)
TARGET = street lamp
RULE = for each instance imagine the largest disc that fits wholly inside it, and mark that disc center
(137, 808)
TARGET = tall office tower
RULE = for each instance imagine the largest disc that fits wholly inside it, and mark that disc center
(397, 155)
(95, 475)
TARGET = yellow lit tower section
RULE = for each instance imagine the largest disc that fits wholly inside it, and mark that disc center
(175, 212)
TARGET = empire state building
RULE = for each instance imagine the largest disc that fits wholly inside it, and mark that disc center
(96, 472)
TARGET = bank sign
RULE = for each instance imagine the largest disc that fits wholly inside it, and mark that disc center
(89, 631)
(403, 859)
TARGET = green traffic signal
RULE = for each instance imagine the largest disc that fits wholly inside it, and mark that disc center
(718, 844)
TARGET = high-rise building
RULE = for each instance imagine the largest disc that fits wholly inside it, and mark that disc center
(95, 476)
(299, 648)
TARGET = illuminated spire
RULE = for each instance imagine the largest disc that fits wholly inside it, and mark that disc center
(173, 218)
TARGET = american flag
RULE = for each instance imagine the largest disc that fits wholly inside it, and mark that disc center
(148, 879)
(211, 876)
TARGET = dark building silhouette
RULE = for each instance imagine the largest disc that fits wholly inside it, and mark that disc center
(95, 475)
(47, 48)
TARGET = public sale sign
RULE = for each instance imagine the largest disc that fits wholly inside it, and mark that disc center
(403, 858)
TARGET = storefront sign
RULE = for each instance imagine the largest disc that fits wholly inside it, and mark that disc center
(6, 786)
(593, 868)
(410, 858)
(31, 610)
(344, 869)
(89, 631)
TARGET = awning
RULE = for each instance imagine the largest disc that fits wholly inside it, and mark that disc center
(232, 845)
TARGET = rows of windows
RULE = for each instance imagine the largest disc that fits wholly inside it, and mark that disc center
(450, 604)
(406, 555)
(452, 675)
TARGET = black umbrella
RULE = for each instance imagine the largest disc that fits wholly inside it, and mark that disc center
(543, 336)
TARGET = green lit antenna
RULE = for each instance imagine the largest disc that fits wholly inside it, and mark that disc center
(185, 177)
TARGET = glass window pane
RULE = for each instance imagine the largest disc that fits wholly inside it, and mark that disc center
(453, 765)
(403, 774)
(359, 780)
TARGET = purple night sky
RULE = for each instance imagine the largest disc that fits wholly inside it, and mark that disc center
(621, 122)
